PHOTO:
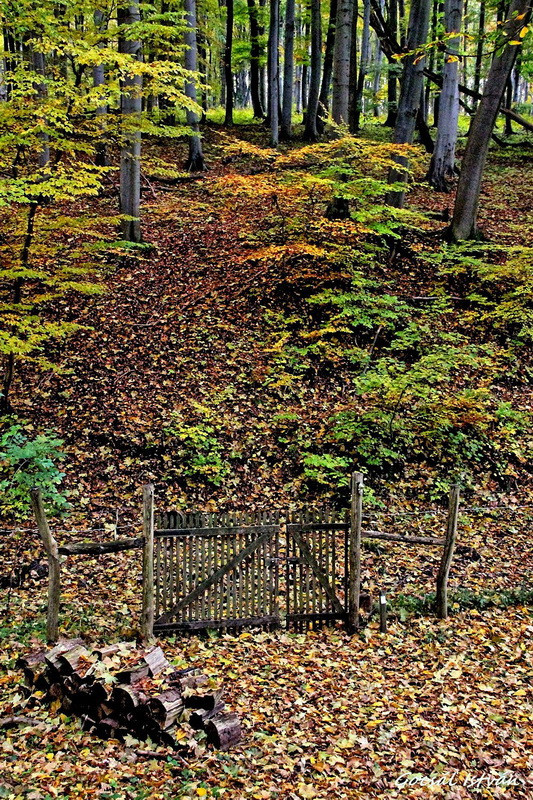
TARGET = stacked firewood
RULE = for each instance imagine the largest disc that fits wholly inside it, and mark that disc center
(119, 691)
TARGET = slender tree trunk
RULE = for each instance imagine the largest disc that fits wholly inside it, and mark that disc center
(101, 159)
(323, 99)
(311, 130)
(411, 93)
(228, 74)
(39, 68)
(363, 64)
(467, 200)
(202, 68)
(392, 80)
(273, 78)
(263, 72)
(288, 71)
(130, 108)
(479, 50)
(195, 162)
(352, 89)
(255, 53)
(9, 362)
(341, 62)
(442, 167)
(378, 59)
(305, 70)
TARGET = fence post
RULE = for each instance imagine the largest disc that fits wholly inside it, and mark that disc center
(382, 612)
(447, 555)
(356, 518)
(50, 545)
(147, 616)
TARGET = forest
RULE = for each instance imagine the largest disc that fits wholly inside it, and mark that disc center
(266, 419)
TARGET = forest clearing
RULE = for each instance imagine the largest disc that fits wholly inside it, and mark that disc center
(266, 431)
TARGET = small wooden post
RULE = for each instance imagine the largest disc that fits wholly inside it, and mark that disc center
(50, 545)
(383, 612)
(147, 617)
(356, 519)
(447, 555)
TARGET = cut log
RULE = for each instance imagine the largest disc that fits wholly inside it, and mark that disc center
(69, 662)
(52, 657)
(110, 728)
(156, 661)
(32, 666)
(192, 681)
(223, 731)
(203, 702)
(107, 652)
(126, 699)
(166, 707)
(198, 719)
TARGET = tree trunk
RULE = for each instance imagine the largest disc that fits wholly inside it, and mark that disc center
(288, 71)
(392, 79)
(378, 58)
(466, 204)
(255, 53)
(311, 130)
(42, 93)
(101, 159)
(411, 92)
(305, 70)
(442, 167)
(228, 74)
(130, 108)
(363, 64)
(273, 69)
(341, 62)
(479, 50)
(352, 89)
(195, 162)
(323, 99)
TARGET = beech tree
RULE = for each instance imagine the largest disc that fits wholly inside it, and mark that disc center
(411, 92)
(130, 108)
(311, 129)
(508, 42)
(341, 61)
(442, 167)
(195, 162)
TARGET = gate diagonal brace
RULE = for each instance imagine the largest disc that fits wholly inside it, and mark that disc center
(216, 576)
(309, 558)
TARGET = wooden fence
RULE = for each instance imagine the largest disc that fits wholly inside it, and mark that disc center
(268, 569)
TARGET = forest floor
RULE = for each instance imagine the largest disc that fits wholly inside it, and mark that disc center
(183, 380)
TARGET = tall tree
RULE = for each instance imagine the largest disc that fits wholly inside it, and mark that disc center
(101, 158)
(341, 61)
(255, 54)
(411, 92)
(288, 71)
(273, 70)
(195, 161)
(464, 220)
(442, 167)
(327, 70)
(311, 129)
(228, 54)
(363, 65)
(130, 107)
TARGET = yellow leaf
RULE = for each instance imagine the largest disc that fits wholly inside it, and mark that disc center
(306, 791)
(523, 31)
(515, 41)
(201, 791)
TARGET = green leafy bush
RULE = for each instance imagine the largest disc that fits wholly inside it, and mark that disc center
(27, 462)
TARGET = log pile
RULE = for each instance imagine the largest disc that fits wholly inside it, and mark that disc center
(119, 691)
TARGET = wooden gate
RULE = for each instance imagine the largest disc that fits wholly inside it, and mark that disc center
(231, 571)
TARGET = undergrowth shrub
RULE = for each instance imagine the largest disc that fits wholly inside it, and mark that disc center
(28, 461)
